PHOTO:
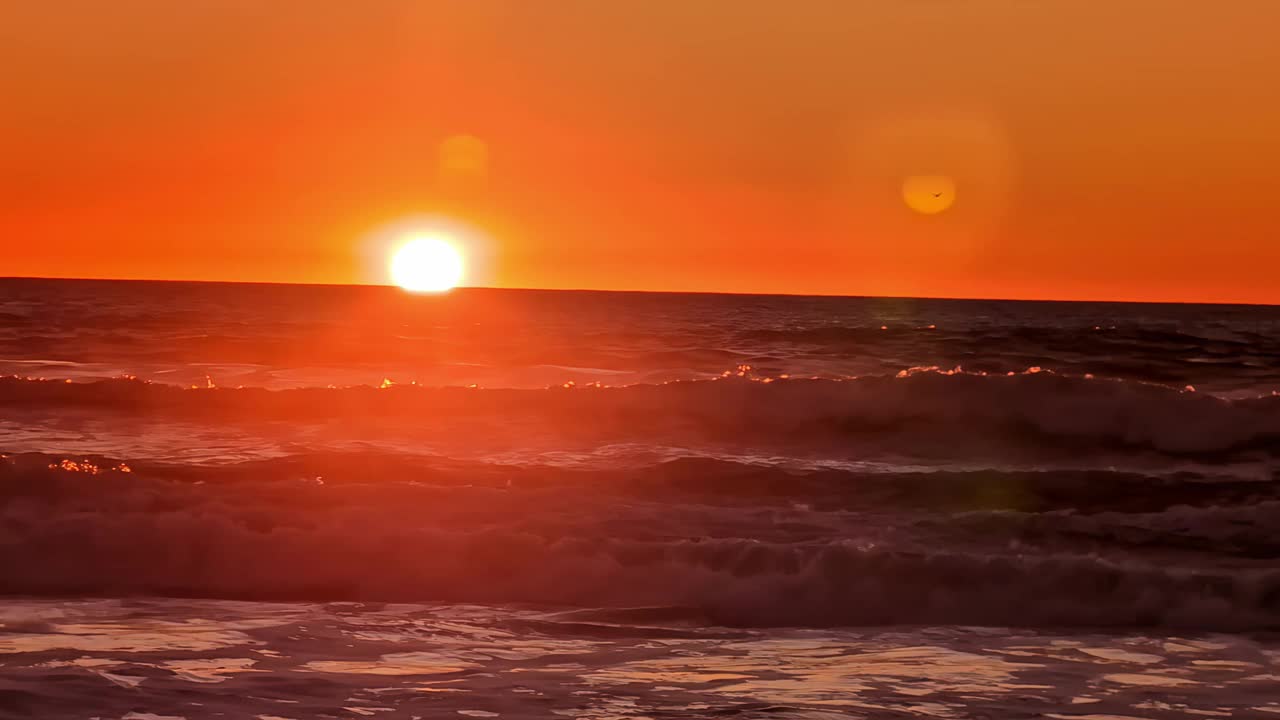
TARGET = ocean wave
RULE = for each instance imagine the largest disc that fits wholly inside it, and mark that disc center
(1245, 530)
(745, 482)
(1149, 338)
(1234, 359)
(926, 412)
(734, 581)
(270, 531)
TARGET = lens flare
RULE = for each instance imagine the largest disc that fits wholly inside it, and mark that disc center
(929, 194)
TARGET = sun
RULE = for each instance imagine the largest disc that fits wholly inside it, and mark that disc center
(427, 263)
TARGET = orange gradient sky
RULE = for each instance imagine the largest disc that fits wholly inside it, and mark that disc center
(1127, 149)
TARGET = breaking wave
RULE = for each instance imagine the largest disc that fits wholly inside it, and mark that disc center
(270, 531)
(925, 412)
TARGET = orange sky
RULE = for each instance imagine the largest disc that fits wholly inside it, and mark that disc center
(1116, 150)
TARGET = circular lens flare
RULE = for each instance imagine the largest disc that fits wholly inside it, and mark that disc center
(929, 194)
(427, 264)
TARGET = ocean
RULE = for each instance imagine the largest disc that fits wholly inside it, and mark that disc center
(270, 501)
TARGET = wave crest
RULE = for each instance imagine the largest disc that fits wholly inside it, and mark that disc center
(929, 412)
(472, 538)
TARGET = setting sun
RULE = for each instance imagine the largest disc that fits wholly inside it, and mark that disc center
(427, 264)
(810, 359)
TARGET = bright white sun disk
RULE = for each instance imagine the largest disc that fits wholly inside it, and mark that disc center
(427, 264)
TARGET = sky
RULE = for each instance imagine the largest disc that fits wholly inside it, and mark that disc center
(1056, 149)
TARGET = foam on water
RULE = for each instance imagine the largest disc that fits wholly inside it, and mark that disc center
(420, 661)
(632, 505)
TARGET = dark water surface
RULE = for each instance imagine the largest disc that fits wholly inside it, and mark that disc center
(812, 501)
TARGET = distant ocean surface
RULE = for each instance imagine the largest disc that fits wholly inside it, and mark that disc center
(590, 504)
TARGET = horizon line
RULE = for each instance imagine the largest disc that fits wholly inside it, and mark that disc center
(732, 293)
